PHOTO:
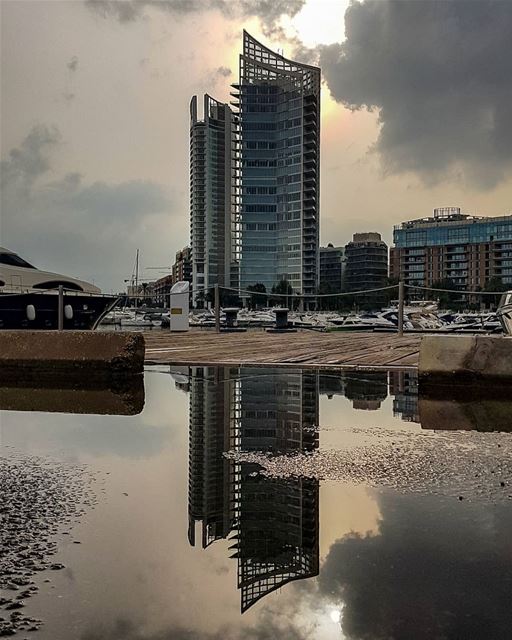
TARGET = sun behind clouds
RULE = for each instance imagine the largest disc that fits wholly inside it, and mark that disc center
(318, 22)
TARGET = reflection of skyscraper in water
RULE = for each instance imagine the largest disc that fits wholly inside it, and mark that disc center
(273, 521)
(211, 419)
(277, 518)
(331, 383)
(366, 389)
(403, 385)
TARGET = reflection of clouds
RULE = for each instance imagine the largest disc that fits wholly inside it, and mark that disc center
(355, 509)
(78, 435)
(165, 405)
(271, 624)
(124, 436)
(431, 573)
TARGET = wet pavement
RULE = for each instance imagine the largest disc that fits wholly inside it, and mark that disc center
(258, 503)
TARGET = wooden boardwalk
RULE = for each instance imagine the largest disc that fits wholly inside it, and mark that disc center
(301, 349)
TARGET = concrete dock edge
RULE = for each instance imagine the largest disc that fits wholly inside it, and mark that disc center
(101, 352)
(466, 357)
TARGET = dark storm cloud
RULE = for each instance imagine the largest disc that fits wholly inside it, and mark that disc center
(440, 74)
(68, 94)
(269, 11)
(30, 160)
(88, 230)
(436, 570)
(72, 65)
(223, 71)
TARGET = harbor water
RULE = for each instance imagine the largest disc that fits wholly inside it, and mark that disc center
(256, 503)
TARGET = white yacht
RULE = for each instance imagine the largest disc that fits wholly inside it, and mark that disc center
(504, 312)
(29, 297)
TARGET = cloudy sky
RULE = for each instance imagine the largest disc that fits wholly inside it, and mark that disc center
(416, 110)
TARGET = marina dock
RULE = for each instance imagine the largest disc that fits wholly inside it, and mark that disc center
(304, 349)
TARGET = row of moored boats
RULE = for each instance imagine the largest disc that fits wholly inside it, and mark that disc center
(417, 318)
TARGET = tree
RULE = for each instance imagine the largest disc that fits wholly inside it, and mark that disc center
(390, 294)
(282, 288)
(329, 302)
(257, 300)
(145, 301)
(494, 284)
(447, 299)
(227, 298)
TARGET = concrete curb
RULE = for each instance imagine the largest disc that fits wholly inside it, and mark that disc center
(101, 352)
(466, 357)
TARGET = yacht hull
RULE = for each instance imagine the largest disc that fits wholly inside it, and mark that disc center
(505, 317)
(504, 313)
(40, 310)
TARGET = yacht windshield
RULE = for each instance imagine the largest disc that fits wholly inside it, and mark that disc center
(14, 261)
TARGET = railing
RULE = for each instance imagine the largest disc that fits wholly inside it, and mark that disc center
(294, 297)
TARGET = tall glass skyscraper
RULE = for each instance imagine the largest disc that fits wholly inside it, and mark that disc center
(277, 157)
(211, 208)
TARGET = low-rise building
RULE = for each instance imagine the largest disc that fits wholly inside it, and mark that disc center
(467, 250)
(182, 267)
(180, 270)
(162, 288)
(332, 268)
(366, 262)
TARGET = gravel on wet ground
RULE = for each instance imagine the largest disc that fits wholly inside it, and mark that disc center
(39, 499)
(463, 465)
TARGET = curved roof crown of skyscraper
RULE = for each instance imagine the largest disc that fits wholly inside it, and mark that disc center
(257, 54)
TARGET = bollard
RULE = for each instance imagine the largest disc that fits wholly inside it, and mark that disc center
(282, 325)
(281, 318)
(217, 309)
(60, 311)
(401, 308)
(231, 326)
(231, 315)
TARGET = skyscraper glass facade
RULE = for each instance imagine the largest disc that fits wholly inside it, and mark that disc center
(211, 211)
(276, 197)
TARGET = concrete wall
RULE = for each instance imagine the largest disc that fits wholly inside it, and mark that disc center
(459, 358)
(78, 351)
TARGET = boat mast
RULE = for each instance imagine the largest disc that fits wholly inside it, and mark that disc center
(136, 278)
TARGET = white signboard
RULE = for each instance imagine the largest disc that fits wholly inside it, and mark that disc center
(179, 306)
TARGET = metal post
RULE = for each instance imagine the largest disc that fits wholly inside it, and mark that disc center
(217, 309)
(401, 308)
(60, 312)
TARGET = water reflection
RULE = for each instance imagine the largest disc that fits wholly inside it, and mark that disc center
(428, 570)
(121, 395)
(271, 523)
(472, 407)
(435, 570)
(179, 526)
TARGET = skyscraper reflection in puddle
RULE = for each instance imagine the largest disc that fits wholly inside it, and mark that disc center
(271, 523)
